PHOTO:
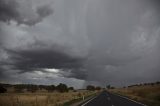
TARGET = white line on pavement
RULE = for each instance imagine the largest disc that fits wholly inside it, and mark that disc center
(88, 101)
(130, 99)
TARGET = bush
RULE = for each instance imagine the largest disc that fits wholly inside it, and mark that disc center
(90, 88)
(32, 88)
(108, 86)
(19, 88)
(2, 89)
(70, 88)
(50, 88)
(98, 88)
(62, 88)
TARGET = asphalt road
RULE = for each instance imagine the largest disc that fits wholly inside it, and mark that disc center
(109, 99)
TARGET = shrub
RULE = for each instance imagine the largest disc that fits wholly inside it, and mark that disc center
(90, 88)
(70, 88)
(98, 88)
(2, 89)
(32, 88)
(50, 88)
(62, 88)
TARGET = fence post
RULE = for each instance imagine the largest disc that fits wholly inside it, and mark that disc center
(83, 97)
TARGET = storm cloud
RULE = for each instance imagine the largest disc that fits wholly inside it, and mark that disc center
(30, 60)
(88, 41)
(23, 12)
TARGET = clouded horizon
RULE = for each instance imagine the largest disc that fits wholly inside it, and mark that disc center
(80, 42)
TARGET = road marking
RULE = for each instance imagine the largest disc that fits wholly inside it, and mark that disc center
(130, 100)
(88, 101)
(108, 98)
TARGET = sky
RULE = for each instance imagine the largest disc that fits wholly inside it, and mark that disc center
(80, 42)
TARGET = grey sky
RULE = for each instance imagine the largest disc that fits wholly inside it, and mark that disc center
(79, 42)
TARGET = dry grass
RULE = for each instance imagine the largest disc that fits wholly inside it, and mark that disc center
(39, 99)
(149, 94)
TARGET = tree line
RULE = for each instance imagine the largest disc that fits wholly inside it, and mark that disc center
(20, 88)
(93, 88)
(33, 88)
(60, 87)
(144, 84)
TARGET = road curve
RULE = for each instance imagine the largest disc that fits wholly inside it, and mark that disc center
(109, 99)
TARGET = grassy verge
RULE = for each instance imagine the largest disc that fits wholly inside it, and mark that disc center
(76, 100)
(41, 99)
(149, 95)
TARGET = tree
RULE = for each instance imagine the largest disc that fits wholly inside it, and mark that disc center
(71, 88)
(90, 88)
(50, 88)
(98, 88)
(2, 89)
(62, 88)
(108, 86)
(112, 87)
(42, 87)
(19, 88)
(32, 88)
(157, 82)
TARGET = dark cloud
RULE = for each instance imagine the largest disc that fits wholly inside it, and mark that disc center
(44, 11)
(31, 60)
(16, 11)
(1, 71)
(8, 10)
(78, 73)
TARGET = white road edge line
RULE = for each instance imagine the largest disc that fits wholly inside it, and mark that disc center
(130, 100)
(88, 101)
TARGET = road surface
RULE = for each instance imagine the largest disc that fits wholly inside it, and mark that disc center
(109, 99)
